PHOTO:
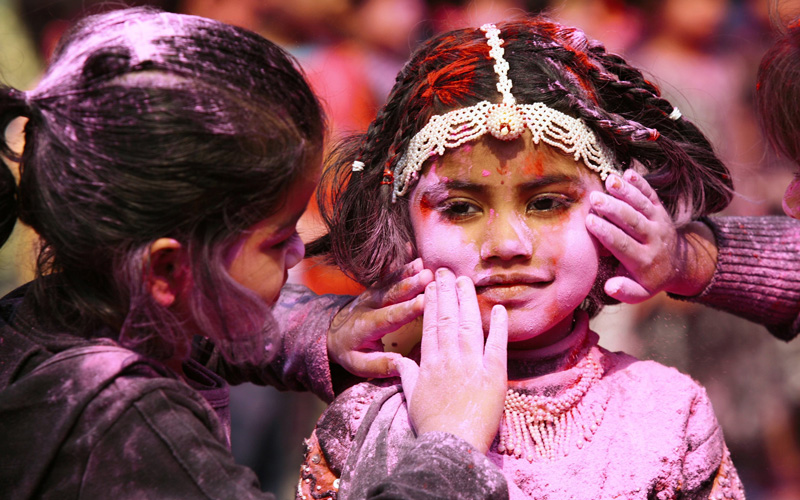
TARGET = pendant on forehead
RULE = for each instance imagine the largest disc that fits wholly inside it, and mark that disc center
(505, 122)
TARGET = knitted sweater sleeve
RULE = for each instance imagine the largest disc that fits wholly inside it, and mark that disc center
(758, 271)
(300, 350)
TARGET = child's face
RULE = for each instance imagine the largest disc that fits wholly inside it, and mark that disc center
(510, 215)
(261, 258)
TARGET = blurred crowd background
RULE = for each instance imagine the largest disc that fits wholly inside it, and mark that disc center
(702, 53)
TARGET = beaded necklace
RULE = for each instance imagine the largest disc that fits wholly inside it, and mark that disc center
(541, 427)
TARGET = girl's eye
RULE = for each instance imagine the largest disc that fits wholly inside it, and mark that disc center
(548, 203)
(458, 209)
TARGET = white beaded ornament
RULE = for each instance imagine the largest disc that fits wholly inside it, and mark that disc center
(505, 120)
(543, 428)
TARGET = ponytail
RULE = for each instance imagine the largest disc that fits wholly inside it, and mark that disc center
(12, 105)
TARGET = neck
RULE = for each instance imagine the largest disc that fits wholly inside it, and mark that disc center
(552, 336)
(554, 356)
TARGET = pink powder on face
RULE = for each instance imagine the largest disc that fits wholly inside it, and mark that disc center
(507, 237)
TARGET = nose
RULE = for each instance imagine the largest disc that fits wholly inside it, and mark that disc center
(295, 251)
(508, 237)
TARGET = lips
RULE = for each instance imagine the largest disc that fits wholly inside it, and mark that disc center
(511, 288)
(511, 280)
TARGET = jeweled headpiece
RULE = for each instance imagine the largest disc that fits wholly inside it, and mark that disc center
(505, 120)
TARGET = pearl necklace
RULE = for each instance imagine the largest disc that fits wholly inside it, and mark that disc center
(546, 428)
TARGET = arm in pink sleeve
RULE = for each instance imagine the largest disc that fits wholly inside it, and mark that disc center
(758, 271)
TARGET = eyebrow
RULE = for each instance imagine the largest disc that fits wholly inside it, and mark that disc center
(471, 187)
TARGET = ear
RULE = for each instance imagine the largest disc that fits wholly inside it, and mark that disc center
(166, 275)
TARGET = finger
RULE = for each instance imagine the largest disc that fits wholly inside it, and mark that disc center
(375, 364)
(429, 345)
(495, 352)
(409, 373)
(469, 319)
(626, 290)
(408, 287)
(447, 311)
(390, 318)
(643, 186)
(398, 291)
(621, 214)
(411, 268)
(630, 194)
(625, 248)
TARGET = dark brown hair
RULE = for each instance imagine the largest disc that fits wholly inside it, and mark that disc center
(778, 93)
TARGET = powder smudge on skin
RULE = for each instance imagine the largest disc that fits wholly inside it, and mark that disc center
(425, 207)
(486, 173)
(534, 165)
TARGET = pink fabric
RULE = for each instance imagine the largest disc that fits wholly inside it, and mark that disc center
(758, 272)
(658, 436)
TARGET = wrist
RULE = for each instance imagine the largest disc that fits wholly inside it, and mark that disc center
(697, 258)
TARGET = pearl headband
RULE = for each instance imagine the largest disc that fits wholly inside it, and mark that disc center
(505, 120)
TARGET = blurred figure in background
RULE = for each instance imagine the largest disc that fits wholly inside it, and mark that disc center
(352, 70)
(449, 15)
(619, 23)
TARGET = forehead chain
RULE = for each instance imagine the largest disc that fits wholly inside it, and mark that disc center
(505, 120)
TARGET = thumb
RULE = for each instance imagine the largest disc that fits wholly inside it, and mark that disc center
(375, 364)
(495, 351)
(409, 372)
(626, 290)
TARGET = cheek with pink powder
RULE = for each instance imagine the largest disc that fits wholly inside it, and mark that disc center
(448, 247)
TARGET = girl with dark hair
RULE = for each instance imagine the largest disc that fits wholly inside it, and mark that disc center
(484, 161)
(167, 160)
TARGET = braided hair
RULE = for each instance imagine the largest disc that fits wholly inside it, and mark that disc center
(369, 236)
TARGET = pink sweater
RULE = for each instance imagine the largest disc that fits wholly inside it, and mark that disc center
(758, 272)
(636, 430)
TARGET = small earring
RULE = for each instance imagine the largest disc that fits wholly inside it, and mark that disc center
(388, 177)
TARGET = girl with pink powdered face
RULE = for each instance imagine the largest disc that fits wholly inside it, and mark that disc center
(484, 163)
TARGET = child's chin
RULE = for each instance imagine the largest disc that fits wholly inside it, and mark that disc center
(533, 334)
